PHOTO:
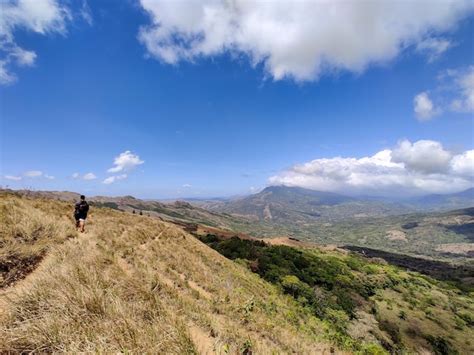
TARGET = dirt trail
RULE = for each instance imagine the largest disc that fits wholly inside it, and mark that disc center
(203, 342)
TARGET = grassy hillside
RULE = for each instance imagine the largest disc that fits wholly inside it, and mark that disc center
(363, 299)
(133, 284)
(447, 235)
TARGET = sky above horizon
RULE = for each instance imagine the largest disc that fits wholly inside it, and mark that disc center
(161, 99)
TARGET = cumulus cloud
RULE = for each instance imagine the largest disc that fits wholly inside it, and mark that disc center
(454, 92)
(125, 161)
(13, 177)
(424, 156)
(33, 173)
(297, 39)
(187, 186)
(89, 176)
(407, 169)
(463, 164)
(424, 107)
(39, 16)
(112, 179)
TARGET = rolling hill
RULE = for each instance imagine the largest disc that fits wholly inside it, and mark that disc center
(134, 283)
(282, 204)
(286, 205)
(445, 202)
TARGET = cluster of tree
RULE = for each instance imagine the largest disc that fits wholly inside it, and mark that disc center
(323, 282)
(332, 286)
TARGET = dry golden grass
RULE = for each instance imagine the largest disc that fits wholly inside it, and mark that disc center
(136, 284)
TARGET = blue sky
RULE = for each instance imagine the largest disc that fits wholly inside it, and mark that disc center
(228, 120)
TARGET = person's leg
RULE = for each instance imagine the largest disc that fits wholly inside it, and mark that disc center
(77, 224)
(81, 224)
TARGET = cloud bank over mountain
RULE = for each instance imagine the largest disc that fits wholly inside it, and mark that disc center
(300, 39)
(409, 168)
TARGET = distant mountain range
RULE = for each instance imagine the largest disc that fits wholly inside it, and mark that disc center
(445, 202)
(283, 204)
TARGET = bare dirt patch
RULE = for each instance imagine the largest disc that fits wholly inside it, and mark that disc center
(396, 235)
(14, 268)
(203, 341)
(457, 248)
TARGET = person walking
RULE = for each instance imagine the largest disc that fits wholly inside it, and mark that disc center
(81, 209)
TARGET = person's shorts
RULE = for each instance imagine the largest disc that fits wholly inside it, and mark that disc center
(80, 218)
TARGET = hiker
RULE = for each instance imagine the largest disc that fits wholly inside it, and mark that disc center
(80, 213)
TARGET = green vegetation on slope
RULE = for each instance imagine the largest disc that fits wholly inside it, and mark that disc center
(447, 236)
(363, 299)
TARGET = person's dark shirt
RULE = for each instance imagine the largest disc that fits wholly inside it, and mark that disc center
(81, 209)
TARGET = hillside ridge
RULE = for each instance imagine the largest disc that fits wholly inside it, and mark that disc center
(156, 286)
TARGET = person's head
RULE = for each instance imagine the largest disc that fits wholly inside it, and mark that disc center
(83, 197)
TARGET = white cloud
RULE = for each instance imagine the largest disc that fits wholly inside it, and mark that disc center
(112, 179)
(13, 178)
(463, 164)
(297, 39)
(37, 174)
(454, 92)
(423, 156)
(424, 107)
(39, 16)
(33, 173)
(126, 161)
(433, 47)
(408, 169)
(187, 186)
(89, 176)
(86, 13)
(464, 80)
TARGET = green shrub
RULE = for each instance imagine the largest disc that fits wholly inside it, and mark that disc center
(441, 346)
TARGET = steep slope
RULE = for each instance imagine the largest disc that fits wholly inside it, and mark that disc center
(134, 284)
(366, 299)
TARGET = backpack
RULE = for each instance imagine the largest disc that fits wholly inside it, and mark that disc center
(82, 208)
